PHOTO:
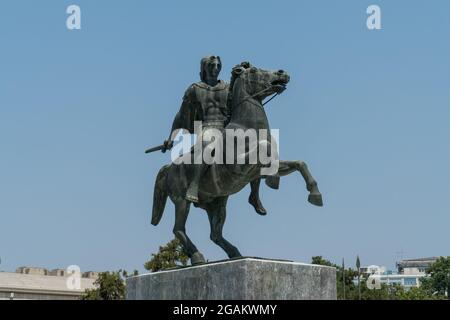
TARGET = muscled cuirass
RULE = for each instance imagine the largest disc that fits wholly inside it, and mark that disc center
(212, 102)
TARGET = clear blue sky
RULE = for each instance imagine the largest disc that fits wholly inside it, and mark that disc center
(369, 112)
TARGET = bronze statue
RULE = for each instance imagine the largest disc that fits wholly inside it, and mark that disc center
(206, 101)
(238, 106)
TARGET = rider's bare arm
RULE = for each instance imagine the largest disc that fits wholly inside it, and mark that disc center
(186, 116)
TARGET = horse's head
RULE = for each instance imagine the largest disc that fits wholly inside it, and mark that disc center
(259, 83)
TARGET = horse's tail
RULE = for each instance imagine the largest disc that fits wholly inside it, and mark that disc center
(160, 195)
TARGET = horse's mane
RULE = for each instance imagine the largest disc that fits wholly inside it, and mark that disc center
(234, 75)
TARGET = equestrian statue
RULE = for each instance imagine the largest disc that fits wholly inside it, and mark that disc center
(222, 108)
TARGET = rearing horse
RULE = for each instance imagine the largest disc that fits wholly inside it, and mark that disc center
(249, 86)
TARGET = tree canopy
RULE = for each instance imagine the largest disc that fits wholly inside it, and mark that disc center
(169, 256)
(435, 286)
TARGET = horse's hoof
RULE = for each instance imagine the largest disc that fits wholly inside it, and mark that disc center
(197, 258)
(257, 205)
(315, 198)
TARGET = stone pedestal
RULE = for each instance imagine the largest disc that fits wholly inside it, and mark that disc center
(239, 279)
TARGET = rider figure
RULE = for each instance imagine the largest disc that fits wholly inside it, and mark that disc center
(206, 101)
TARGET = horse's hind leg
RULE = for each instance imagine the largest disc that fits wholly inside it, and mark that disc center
(181, 213)
(287, 167)
(217, 212)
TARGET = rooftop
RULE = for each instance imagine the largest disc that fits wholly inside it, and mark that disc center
(419, 263)
(40, 283)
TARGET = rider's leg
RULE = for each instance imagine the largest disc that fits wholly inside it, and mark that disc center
(254, 199)
(192, 192)
(198, 170)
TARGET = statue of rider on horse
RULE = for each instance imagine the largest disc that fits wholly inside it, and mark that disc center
(220, 106)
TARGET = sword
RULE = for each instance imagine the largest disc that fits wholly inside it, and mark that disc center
(161, 147)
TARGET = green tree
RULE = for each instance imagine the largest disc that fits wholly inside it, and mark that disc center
(438, 282)
(321, 261)
(416, 293)
(347, 274)
(170, 256)
(109, 286)
(433, 287)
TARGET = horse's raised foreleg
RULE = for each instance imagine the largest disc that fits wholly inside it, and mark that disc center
(181, 213)
(287, 167)
(217, 212)
(254, 199)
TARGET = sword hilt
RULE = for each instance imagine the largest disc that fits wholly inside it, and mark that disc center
(161, 147)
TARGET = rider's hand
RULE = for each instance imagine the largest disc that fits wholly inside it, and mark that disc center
(168, 144)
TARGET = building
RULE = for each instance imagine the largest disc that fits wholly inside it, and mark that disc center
(30, 283)
(415, 266)
(409, 272)
(32, 270)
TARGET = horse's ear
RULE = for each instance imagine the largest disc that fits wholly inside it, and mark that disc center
(246, 64)
(237, 71)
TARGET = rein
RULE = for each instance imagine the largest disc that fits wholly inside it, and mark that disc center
(257, 94)
(271, 98)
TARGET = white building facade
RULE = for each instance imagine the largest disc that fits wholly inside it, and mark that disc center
(29, 283)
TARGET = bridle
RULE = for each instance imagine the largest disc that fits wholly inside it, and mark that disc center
(257, 94)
